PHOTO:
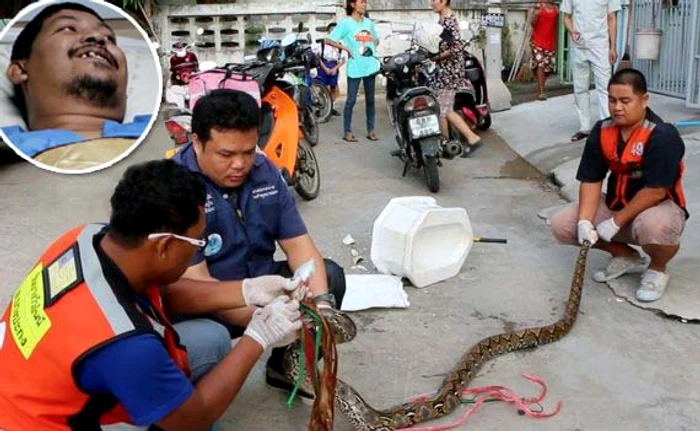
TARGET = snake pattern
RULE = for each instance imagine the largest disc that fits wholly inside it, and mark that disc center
(366, 418)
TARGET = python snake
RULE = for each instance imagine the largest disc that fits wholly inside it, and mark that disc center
(366, 418)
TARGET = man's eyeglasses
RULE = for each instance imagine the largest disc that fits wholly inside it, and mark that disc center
(201, 243)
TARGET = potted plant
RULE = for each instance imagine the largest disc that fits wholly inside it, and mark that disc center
(648, 39)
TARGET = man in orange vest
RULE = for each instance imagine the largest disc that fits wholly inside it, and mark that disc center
(645, 204)
(85, 340)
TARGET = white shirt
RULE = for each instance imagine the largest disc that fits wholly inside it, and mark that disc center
(591, 19)
(331, 53)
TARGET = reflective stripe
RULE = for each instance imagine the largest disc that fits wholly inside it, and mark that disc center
(97, 284)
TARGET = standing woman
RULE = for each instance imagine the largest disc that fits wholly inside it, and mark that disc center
(360, 40)
(451, 76)
(544, 42)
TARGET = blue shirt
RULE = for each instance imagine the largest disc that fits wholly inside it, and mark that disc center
(38, 141)
(355, 35)
(244, 224)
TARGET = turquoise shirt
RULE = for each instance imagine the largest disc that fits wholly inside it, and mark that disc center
(356, 34)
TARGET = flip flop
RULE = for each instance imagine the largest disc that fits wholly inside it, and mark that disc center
(349, 137)
(372, 137)
(579, 136)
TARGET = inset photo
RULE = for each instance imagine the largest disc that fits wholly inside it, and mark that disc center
(80, 85)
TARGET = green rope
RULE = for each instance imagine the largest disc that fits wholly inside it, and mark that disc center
(301, 375)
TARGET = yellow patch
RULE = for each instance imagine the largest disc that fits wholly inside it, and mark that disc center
(28, 320)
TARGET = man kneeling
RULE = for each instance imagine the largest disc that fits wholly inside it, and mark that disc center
(645, 204)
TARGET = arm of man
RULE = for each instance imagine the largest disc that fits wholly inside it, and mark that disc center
(662, 158)
(591, 173)
(300, 250)
(612, 34)
(197, 292)
(138, 372)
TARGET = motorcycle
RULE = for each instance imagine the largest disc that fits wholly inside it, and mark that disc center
(413, 108)
(310, 95)
(283, 138)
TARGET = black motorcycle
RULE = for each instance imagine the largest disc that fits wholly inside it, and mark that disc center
(414, 112)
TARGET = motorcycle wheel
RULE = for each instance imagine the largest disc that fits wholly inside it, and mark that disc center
(309, 126)
(486, 124)
(321, 101)
(307, 175)
(432, 176)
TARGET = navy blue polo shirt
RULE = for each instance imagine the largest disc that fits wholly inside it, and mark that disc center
(243, 224)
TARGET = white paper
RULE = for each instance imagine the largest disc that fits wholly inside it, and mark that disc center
(366, 291)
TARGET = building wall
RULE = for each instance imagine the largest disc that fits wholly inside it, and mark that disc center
(231, 30)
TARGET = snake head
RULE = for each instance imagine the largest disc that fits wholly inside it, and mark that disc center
(342, 326)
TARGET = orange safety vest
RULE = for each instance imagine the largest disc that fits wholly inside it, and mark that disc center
(627, 168)
(61, 312)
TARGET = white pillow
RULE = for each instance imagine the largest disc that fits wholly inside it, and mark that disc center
(143, 91)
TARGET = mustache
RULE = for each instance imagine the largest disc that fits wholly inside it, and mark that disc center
(99, 92)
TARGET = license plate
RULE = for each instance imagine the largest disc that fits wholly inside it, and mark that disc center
(424, 126)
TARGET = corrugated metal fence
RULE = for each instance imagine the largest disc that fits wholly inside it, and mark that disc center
(669, 74)
(694, 66)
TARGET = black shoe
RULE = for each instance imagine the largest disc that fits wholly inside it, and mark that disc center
(335, 113)
(277, 380)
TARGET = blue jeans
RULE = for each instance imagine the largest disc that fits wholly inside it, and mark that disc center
(207, 344)
(353, 88)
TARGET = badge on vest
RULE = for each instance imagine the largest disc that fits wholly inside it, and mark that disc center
(637, 174)
(637, 149)
(214, 245)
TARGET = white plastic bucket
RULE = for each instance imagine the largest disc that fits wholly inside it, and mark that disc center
(416, 238)
(648, 43)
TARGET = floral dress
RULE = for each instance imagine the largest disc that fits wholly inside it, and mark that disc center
(451, 75)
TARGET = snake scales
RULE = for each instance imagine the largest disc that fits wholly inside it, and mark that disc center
(366, 418)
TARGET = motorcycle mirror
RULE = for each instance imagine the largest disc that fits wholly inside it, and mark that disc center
(288, 40)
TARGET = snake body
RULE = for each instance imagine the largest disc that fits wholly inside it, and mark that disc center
(366, 418)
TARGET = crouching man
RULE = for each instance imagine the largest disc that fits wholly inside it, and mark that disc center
(645, 204)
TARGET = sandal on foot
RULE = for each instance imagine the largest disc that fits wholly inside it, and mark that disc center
(469, 149)
(372, 136)
(579, 136)
(542, 97)
(349, 137)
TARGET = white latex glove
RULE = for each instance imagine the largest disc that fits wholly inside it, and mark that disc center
(607, 229)
(586, 232)
(277, 324)
(261, 291)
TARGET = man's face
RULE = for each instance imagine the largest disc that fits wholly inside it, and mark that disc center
(228, 156)
(76, 54)
(178, 253)
(626, 107)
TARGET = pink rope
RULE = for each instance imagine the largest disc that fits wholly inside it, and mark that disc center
(501, 393)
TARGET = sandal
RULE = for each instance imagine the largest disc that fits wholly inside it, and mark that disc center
(542, 97)
(372, 136)
(469, 149)
(579, 136)
(349, 137)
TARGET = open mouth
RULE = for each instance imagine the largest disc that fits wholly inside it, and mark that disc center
(97, 54)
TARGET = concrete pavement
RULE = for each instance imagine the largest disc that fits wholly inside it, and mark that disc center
(620, 368)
